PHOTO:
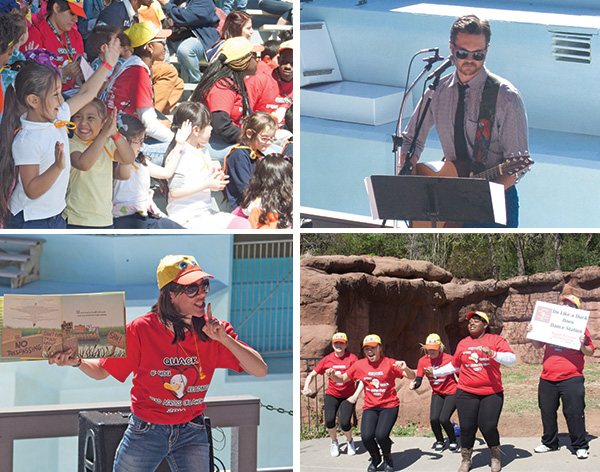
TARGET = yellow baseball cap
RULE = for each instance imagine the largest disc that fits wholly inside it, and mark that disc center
(142, 33)
(371, 340)
(339, 337)
(76, 7)
(183, 270)
(239, 47)
(433, 341)
(480, 314)
(573, 299)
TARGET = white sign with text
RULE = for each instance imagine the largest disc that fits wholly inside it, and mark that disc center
(557, 324)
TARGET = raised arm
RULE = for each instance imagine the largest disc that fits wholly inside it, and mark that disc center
(90, 367)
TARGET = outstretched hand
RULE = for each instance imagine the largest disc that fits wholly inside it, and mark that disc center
(213, 327)
(63, 358)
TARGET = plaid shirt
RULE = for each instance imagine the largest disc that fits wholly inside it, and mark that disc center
(509, 135)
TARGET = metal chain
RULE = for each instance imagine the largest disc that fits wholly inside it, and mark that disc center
(278, 410)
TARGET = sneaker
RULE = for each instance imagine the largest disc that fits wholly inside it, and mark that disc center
(334, 449)
(351, 448)
(439, 446)
(375, 461)
(543, 448)
(453, 447)
(582, 453)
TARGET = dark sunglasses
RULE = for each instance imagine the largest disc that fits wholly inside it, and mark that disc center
(193, 289)
(476, 55)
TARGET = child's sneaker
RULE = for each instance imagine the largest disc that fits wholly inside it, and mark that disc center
(453, 447)
(438, 446)
(334, 449)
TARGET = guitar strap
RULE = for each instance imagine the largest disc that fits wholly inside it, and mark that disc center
(485, 123)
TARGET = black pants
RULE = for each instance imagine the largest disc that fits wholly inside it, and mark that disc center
(375, 428)
(345, 408)
(572, 393)
(479, 411)
(440, 411)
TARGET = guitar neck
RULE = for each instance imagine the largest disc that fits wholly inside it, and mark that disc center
(491, 174)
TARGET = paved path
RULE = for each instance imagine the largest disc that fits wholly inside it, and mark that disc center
(415, 454)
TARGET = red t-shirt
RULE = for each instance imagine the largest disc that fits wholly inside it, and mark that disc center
(263, 68)
(222, 98)
(131, 90)
(340, 364)
(444, 385)
(42, 37)
(379, 380)
(170, 381)
(272, 94)
(561, 363)
(478, 373)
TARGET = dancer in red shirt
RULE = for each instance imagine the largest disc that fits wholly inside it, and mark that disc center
(480, 395)
(443, 389)
(339, 396)
(380, 408)
(172, 352)
(562, 379)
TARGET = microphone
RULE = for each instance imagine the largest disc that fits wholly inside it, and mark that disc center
(424, 51)
(449, 62)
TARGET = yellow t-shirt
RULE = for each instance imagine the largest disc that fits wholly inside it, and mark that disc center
(89, 194)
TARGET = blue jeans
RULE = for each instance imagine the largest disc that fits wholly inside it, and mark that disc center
(512, 212)
(155, 150)
(145, 445)
(189, 52)
(137, 221)
(228, 5)
(54, 222)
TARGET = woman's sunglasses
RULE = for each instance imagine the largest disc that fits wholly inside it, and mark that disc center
(193, 289)
(476, 55)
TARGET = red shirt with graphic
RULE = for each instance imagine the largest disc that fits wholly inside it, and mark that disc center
(222, 98)
(444, 385)
(274, 95)
(341, 365)
(478, 373)
(170, 381)
(131, 90)
(379, 380)
(561, 363)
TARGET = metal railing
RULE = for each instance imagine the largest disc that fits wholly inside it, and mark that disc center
(262, 296)
(240, 413)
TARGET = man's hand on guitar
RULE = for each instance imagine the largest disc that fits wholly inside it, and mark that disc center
(414, 161)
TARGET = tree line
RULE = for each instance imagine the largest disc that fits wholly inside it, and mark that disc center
(477, 256)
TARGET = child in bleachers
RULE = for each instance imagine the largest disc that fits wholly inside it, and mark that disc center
(268, 58)
(258, 132)
(94, 147)
(97, 43)
(133, 203)
(268, 201)
(190, 201)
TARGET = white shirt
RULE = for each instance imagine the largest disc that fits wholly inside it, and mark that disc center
(131, 195)
(34, 145)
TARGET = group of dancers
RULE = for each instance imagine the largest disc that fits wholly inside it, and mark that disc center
(469, 382)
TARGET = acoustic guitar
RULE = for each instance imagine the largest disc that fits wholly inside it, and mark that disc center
(512, 165)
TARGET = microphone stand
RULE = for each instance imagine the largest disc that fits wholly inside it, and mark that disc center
(397, 137)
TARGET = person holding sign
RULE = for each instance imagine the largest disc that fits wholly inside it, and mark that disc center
(381, 405)
(172, 352)
(479, 395)
(562, 380)
(443, 389)
(339, 397)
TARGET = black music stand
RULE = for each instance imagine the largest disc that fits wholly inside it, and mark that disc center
(433, 199)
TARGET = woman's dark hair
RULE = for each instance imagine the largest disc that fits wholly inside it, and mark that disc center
(63, 5)
(131, 127)
(219, 70)
(234, 23)
(272, 182)
(32, 79)
(168, 315)
(100, 35)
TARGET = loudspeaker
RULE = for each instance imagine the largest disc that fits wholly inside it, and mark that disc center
(99, 437)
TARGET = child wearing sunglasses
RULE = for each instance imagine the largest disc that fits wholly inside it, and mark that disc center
(171, 378)
(258, 133)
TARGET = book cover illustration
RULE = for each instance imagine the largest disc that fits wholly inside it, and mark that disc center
(37, 326)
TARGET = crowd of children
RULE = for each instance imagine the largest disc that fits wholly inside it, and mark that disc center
(81, 136)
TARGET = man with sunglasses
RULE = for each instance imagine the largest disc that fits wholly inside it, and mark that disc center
(479, 117)
(172, 352)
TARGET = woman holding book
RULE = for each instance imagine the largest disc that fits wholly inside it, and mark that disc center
(172, 352)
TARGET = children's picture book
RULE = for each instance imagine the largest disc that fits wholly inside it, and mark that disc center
(37, 326)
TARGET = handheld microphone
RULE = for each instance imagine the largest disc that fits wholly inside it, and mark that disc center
(449, 62)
